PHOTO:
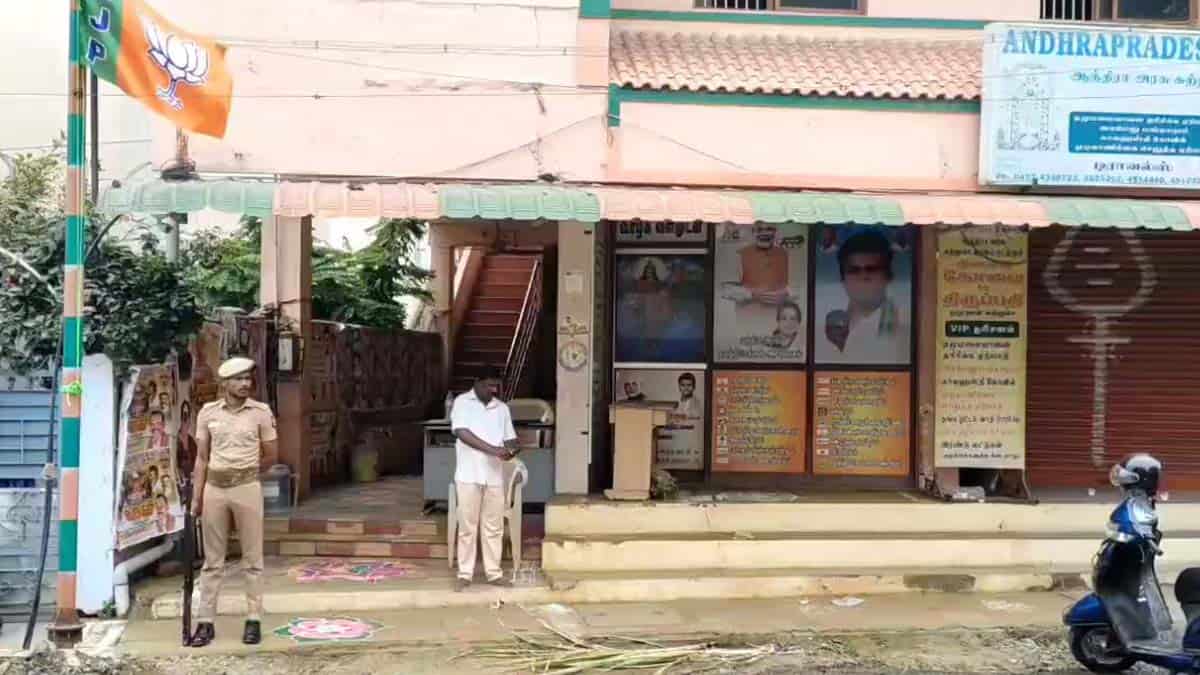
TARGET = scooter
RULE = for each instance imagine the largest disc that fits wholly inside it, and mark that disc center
(1126, 620)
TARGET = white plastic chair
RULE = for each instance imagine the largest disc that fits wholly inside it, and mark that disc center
(516, 476)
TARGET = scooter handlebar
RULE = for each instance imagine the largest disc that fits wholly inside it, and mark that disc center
(1154, 546)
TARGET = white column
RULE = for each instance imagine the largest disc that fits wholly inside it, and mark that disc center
(573, 410)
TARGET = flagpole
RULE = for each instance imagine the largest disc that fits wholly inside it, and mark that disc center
(66, 630)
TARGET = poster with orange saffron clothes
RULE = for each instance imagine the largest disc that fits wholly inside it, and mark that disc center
(759, 420)
(982, 325)
(861, 423)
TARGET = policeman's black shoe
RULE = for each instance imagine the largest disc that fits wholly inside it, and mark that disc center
(203, 636)
(253, 633)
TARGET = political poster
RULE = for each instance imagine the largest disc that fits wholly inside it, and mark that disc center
(863, 309)
(680, 444)
(148, 504)
(861, 423)
(761, 291)
(759, 420)
(981, 341)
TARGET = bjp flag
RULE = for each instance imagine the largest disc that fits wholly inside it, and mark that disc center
(179, 75)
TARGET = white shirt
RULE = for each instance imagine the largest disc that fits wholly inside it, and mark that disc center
(493, 425)
(864, 344)
(689, 408)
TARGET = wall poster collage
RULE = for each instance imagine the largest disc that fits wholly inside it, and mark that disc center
(804, 380)
(148, 501)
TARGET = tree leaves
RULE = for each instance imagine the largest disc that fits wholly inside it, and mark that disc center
(363, 287)
(136, 306)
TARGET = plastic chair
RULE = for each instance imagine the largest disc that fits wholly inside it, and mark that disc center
(517, 475)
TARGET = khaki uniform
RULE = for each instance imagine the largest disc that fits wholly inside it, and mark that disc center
(232, 491)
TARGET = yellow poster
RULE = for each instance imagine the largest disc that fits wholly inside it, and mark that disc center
(758, 420)
(982, 327)
(861, 423)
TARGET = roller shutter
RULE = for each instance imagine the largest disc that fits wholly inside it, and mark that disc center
(1114, 353)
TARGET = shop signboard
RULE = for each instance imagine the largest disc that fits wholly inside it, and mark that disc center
(861, 423)
(661, 313)
(863, 295)
(981, 346)
(660, 232)
(680, 444)
(759, 420)
(761, 290)
(1095, 105)
(148, 496)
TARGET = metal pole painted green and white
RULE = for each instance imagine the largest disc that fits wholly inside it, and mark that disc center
(66, 629)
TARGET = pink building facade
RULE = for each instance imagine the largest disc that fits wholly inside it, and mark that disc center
(579, 125)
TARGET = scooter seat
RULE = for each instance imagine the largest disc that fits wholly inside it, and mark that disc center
(1187, 586)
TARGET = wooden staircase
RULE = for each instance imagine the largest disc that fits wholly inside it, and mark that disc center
(501, 320)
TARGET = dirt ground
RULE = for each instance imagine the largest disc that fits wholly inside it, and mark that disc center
(942, 651)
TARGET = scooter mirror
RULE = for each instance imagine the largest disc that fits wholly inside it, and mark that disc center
(1120, 477)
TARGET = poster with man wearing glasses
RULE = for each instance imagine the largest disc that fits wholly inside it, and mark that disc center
(863, 304)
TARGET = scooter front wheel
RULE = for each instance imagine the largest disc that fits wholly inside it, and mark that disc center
(1099, 650)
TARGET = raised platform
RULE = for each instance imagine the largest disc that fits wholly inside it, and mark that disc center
(885, 541)
(384, 519)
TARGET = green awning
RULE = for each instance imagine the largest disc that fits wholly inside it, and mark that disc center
(161, 197)
(592, 203)
(1120, 213)
(833, 207)
(518, 202)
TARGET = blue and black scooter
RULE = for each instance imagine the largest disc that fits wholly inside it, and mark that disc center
(1125, 620)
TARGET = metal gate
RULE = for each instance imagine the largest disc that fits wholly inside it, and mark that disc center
(24, 438)
(1114, 353)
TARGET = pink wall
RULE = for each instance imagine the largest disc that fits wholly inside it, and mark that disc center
(410, 89)
(795, 147)
(979, 10)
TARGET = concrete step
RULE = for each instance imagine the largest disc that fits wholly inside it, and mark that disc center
(497, 303)
(486, 330)
(369, 547)
(508, 261)
(492, 318)
(436, 589)
(499, 289)
(502, 275)
(933, 552)
(840, 515)
(475, 343)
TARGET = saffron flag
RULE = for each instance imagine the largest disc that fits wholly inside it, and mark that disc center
(177, 74)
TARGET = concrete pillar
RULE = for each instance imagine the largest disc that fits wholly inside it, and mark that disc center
(927, 358)
(286, 283)
(573, 408)
(441, 263)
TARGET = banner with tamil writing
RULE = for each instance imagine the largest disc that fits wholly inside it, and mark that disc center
(759, 420)
(861, 423)
(981, 342)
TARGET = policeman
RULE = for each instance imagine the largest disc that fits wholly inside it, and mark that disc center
(236, 440)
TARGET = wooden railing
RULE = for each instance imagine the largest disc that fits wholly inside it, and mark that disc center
(527, 325)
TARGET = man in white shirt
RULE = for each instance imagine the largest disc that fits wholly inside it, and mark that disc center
(872, 329)
(688, 407)
(483, 426)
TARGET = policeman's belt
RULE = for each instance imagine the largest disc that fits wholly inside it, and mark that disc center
(231, 478)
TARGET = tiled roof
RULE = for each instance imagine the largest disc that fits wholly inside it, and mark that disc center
(780, 64)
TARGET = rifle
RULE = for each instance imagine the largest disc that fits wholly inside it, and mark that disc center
(189, 557)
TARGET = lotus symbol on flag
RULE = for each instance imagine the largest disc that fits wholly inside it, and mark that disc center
(184, 60)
